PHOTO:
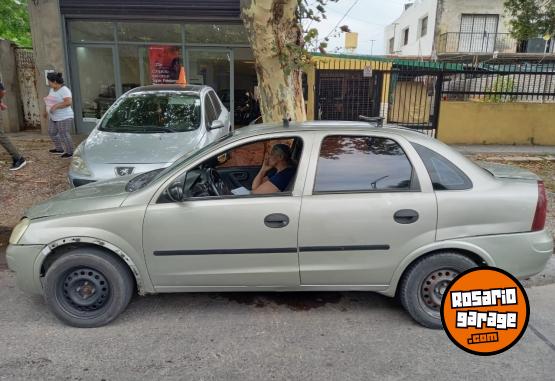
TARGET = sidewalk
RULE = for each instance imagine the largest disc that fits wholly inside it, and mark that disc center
(505, 149)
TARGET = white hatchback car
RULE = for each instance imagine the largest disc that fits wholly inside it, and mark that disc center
(149, 128)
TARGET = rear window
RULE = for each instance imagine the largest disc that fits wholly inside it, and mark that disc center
(362, 164)
(444, 174)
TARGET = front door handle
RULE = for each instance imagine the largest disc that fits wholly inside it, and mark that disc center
(406, 216)
(240, 176)
(276, 221)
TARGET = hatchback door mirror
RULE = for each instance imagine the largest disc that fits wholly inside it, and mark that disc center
(217, 124)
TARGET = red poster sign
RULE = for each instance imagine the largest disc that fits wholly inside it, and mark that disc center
(165, 64)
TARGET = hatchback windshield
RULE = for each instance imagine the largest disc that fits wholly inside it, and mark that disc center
(154, 113)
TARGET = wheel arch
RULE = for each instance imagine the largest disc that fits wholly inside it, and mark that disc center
(475, 253)
(56, 249)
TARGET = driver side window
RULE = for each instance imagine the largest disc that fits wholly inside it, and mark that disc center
(266, 167)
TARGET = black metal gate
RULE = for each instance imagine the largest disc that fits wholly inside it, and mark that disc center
(414, 99)
(346, 95)
(410, 98)
(410, 93)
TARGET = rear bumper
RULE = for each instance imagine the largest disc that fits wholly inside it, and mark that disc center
(21, 260)
(521, 254)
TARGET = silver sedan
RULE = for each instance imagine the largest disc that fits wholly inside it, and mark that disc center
(346, 206)
(148, 128)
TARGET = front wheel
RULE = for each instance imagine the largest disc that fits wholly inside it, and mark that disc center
(422, 288)
(88, 288)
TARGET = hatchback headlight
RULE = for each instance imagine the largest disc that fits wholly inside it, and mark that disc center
(19, 230)
(78, 165)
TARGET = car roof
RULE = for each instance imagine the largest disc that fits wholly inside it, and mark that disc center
(332, 126)
(161, 88)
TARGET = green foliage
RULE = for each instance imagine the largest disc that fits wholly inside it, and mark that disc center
(499, 86)
(531, 18)
(310, 12)
(14, 22)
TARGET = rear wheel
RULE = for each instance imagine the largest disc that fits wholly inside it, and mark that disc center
(88, 288)
(424, 283)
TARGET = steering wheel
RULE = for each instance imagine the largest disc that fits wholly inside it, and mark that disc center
(217, 185)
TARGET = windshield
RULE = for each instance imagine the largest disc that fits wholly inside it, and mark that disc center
(154, 113)
(192, 155)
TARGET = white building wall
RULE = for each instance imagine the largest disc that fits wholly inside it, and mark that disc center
(410, 18)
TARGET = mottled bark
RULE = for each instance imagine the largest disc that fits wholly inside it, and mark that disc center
(273, 29)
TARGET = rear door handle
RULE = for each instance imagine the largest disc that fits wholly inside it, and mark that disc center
(276, 221)
(406, 216)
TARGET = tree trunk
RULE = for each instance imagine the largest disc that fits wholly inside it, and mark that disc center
(274, 31)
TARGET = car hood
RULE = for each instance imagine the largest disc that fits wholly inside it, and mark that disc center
(506, 171)
(96, 196)
(124, 148)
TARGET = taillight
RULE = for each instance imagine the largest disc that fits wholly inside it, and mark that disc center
(541, 209)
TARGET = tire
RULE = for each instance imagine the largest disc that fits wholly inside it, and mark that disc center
(88, 288)
(424, 282)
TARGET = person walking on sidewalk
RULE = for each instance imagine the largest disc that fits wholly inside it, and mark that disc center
(18, 161)
(60, 115)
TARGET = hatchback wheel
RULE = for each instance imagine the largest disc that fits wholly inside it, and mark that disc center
(88, 288)
(422, 288)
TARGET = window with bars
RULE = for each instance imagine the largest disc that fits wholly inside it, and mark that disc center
(478, 33)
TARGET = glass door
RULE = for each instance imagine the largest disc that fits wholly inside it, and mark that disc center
(213, 68)
(95, 82)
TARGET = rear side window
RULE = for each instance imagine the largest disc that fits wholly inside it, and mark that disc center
(362, 164)
(444, 174)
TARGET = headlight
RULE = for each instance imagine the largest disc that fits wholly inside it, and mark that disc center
(19, 230)
(78, 165)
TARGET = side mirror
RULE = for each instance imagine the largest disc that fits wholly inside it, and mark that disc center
(217, 124)
(175, 192)
(223, 158)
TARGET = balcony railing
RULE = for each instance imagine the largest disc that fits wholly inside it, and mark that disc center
(459, 42)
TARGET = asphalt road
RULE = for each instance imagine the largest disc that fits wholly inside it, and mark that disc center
(308, 336)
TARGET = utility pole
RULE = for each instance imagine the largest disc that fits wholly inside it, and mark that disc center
(372, 47)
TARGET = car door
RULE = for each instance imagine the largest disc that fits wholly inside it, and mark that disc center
(236, 242)
(364, 211)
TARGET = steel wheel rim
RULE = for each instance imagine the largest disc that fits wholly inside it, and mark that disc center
(433, 289)
(83, 292)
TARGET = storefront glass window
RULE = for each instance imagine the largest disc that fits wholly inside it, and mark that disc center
(215, 34)
(148, 65)
(149, 32)
(247, 108)
(91, 31)
(96, 79)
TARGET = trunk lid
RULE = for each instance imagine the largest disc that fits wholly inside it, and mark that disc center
(506, 171)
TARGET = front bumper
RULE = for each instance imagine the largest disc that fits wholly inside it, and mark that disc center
(109, 171)
(21, 260)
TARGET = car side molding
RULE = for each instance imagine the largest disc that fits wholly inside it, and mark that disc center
(277, 250)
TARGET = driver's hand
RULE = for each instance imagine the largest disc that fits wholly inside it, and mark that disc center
(266, 165)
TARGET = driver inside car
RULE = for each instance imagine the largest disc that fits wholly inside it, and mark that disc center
(276, 173)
